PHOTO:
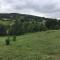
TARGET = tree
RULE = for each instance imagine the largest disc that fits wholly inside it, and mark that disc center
(51, 24)
(2, 29)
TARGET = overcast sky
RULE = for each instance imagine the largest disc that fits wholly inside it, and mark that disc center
(47, 8)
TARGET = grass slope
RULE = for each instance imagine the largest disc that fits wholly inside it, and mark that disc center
(32, 46)
(7, 22)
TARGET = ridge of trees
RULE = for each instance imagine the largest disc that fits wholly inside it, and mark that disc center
(27, 23)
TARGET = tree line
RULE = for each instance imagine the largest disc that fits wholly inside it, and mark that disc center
(22, 26)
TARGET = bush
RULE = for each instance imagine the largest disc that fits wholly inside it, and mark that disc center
(7, 41)
(14, 38)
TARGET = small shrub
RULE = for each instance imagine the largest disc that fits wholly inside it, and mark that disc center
(7, 41)
(14, 38)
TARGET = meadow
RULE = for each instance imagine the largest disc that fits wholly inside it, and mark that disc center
(43, 45)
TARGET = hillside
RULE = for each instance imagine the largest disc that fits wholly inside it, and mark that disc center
(32, 46)
(23, 23)
(22, 16)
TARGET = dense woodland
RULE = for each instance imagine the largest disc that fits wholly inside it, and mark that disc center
(26, 23)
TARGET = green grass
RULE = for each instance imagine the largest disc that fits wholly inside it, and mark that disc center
(6, 22)
(32, 46)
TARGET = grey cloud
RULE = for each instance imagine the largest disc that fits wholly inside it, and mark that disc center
(36, 7)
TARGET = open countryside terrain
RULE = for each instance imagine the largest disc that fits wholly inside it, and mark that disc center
(29, 30)
(43, 45)
(30, 44)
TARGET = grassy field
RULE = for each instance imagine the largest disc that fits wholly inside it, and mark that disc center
(32, 46)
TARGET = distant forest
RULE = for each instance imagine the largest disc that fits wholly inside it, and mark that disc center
(22, 23)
